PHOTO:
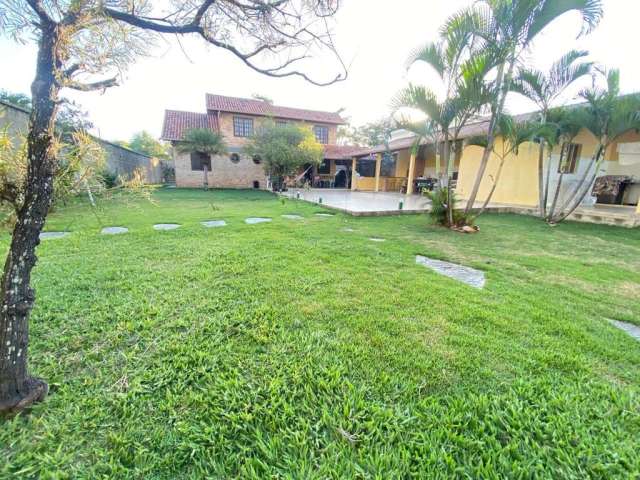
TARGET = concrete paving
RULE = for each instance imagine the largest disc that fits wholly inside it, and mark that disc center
(166, 226)
(630, 328)
(375, 239)
(114, 230)
(214, 223)
(363, 203)
(293, 217)
(468, 275)
(254, 220)
(52, 235)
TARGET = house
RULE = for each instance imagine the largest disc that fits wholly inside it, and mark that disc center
(237, 119)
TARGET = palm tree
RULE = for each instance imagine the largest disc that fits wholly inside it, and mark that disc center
(513, 134)
(508, 28)
(202, 140)
(544, 88)
(607, 116)
(465, 94)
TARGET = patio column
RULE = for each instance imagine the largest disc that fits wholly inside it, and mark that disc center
(412, 171)
(354, 176)
(378, 164)
(638, 209)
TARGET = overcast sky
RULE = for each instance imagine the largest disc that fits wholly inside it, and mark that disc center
(373, 36)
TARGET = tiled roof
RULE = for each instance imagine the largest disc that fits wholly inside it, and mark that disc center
(340, 152)
(177, 122)
(261, 108)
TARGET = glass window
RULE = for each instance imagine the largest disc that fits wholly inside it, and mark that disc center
(242, 127)
(200, 160)
(322, 134)
(281, 123)
(234, 157)
(388, 165)
(325, 167)
(569, 156)
(366, 167)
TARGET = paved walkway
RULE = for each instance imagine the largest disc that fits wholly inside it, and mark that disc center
(363, 203)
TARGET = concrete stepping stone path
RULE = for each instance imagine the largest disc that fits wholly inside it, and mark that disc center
(347, 229)
(166, 226)
(214, 223)
(375, 239)
(254, 220)
(468, 275)
(114, 230)
(52, 235)
(325, 215)
(293, 217)
(630, 328)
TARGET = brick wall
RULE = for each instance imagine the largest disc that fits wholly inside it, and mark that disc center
(224, 173)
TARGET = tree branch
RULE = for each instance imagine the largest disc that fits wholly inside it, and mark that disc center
(38, 7)
(90, 87)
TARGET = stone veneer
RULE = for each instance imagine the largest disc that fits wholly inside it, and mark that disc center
(224, 173)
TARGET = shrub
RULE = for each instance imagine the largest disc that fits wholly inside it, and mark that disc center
(438, 213)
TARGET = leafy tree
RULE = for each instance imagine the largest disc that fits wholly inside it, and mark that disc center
(284, 150)
(144, 142)
(17, 99)
(508, 28)
(86, 46)
(368, 135)
(461, 71)
(544, 88)
(202, 140)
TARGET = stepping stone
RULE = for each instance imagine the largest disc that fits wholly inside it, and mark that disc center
(374, 239)
(293, 217)
(114, 230)
(468, 275)
(325, 215)
(52, 235)
(166, 226)
(214, 223)
(254, 220)
(630, 328)
(348, 229)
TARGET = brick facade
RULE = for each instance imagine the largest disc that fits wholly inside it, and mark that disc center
(224, 173)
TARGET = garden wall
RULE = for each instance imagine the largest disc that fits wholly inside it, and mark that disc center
(120, 160)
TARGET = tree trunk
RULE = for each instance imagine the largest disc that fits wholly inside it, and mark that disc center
(493, 188)
(594, 161)
(504, 84)
(542, 194)
(547, 181)
(18, 390)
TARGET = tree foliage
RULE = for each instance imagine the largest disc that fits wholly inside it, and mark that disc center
(202, 140)
(146, 143)
(283, 149)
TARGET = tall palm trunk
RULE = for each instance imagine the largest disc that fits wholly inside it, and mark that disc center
(547, 181)
(504, 81)
(556, 195)
(493, 187)
(450, 155)
(582, 189)
(18, 390)
(595, 160)
(541, 190)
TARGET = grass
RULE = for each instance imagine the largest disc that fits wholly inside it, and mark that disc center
(295, 349)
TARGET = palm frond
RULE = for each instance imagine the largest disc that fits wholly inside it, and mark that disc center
(549, 10)
(430, 53)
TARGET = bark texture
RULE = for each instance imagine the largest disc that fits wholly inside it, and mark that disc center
(18, 390)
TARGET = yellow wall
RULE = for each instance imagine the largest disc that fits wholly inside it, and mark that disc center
(518, 183)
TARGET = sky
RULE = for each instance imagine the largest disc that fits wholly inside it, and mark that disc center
(373, 36)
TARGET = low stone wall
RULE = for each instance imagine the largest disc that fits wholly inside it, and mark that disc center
(120, 160)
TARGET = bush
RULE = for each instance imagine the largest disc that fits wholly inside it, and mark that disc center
(109, 179)
(438, 211)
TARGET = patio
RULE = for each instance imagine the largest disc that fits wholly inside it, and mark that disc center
(363, 203)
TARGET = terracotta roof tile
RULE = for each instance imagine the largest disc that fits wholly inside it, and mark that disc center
(258, 107)
(340, 152)
(177, 122)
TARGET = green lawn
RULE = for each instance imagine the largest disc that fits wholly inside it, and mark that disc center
(295, 349)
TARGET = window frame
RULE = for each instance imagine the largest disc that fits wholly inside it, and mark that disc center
(243, 127)
(322, 138)
(569, 157)
(321, 167)
(371, 164)
(394, 157)
(202, 159)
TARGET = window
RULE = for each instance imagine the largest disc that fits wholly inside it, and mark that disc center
(234, 157)
(200, 160)
(366, 167)
(325, 167)
(569, 156)
(388, 165)
(322, 134)
(242, 127)
(257, 159)
(281, 123)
